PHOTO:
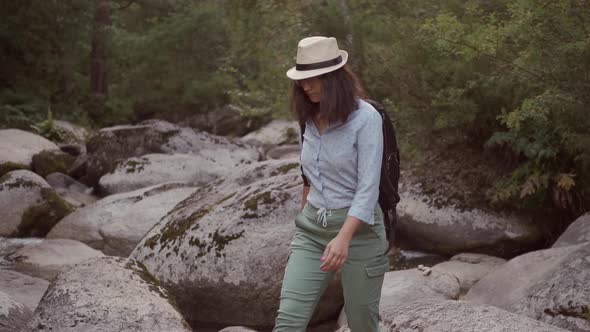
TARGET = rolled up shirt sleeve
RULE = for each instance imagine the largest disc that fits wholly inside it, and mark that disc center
(370, 155)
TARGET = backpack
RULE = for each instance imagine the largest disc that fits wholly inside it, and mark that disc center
(388, 184)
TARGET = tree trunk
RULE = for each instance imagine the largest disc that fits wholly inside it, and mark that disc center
(100, 49)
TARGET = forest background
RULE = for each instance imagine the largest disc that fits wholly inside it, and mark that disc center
(508, 79)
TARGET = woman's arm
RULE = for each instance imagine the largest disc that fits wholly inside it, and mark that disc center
(304, 198)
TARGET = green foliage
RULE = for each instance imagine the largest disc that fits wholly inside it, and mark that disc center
(47, 129)
(507, 76)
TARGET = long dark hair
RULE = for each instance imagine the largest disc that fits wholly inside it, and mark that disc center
(340, 90)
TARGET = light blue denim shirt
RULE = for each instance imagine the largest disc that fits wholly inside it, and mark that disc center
(343, 165)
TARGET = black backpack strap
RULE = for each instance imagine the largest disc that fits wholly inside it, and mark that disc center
(302, 130)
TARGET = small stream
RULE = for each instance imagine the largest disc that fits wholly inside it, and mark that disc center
(9, 246)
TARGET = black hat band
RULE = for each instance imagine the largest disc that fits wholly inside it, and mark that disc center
(318, 65)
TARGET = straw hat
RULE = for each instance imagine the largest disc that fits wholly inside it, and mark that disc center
(317, 56)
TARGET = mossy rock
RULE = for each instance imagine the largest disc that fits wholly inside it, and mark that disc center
(10, 166)
(49, 161)
(38, 220)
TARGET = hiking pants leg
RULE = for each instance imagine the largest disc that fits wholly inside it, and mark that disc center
(303, 284)
(362, 276)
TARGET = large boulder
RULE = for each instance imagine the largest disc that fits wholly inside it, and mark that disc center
(453, 316)
(151, 169)
(109, 146)
(445, 229)
(23, 288)
(548, 285)
(49, 161)
(468, 268)
(13, 315)
(49, 258)
(578, 232)
(17, 148)
(71, 133)
(116, 223)
(401, 287)
(277, 132)
(71, 190)
(30, 207)
(106, 294)
(225, 248)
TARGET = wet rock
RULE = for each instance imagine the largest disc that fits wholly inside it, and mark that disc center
(116, 223)
(106, 294)
(548, 285)
(469, 268)
(30, 207)
(447, 230)
(578, 232)
(23, 288)
(152, 169)
(225, 247)
(13, 315)
(51, 257)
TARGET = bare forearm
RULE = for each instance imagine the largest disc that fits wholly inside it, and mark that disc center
(351, 224)
(304, 196)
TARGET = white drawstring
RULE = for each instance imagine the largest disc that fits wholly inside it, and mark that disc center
(323, 216)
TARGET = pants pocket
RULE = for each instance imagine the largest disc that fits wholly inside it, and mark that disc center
(377, 269)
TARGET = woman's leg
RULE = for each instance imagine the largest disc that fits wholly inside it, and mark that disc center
(362, 276)
(302, 288)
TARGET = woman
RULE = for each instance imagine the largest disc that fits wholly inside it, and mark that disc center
(340, 227)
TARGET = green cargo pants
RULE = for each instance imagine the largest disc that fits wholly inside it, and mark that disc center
(362, 273)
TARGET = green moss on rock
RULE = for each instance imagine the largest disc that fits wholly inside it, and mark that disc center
(284, 169)
(134, 166)
(175, 230)
(252, 203)
(10, 166)
(142, 272)
(49, 161)
(38, 220)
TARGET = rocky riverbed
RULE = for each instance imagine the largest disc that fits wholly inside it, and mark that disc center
(158, 227)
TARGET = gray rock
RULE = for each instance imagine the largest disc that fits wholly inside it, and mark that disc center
(453, 316)
(30, 207)
(112, 145)
(71, 190)
(276, 132)
(50, 257)
(401, 287)
(549, 285)
(13, 315)
(151, 169)
(237, 329)
(71, 133)
(284, 152)
(23, 288)
(106, 294)
(578, 232)
(448, 230)
(116, 223)
(225, 247)
(469, 268)
(19, 146)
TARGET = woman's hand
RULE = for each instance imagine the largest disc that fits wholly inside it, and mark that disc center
(336, 251)
(335, 254)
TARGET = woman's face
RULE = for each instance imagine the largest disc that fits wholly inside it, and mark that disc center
(312, 88)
